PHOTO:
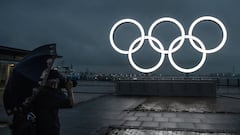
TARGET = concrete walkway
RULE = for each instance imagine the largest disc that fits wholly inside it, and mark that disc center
(95, 115)
(109, 111)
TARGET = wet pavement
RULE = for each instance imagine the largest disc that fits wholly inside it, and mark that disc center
(118, 113)
(107, 114)
(191, 104)
(156, 132)
(102, 112)
(207, 122)
(113, 111)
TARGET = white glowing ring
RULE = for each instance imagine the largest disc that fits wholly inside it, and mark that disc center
(166, 19)
(171, 49)
(213, 19)
(204, 55)
(142, 69)
(116, 25)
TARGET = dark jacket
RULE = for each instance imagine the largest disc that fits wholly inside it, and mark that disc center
(46, 106)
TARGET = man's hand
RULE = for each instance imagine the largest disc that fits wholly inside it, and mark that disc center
(69, 85)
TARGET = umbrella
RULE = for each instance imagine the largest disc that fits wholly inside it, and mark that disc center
(29, 73)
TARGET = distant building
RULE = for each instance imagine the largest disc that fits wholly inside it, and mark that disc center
(8, 58)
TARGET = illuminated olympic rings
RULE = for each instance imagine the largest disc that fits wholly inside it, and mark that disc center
(173, 47)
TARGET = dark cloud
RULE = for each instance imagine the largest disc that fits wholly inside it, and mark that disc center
(81, 30)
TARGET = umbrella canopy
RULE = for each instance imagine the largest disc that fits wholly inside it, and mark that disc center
(29, 73)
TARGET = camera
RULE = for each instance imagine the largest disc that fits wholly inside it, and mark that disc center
(54, 75)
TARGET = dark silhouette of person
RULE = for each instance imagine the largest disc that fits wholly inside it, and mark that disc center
(49, 100)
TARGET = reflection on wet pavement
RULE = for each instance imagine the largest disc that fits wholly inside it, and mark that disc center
(190, 104)
(157, 132)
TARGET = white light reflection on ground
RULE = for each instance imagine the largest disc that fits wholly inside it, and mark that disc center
(190, 104)
(157, 132)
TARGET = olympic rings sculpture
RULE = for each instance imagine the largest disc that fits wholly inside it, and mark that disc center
(173, 47)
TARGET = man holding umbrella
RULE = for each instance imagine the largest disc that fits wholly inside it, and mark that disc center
(33, 94)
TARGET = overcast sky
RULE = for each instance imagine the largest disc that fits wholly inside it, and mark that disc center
(80, 28)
